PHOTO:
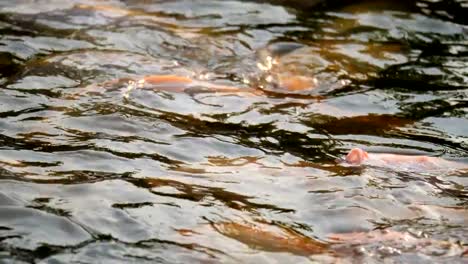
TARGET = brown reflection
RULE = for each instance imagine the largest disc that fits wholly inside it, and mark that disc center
(226, 162)
(371, 124)
(384, 51)
(187, 169)
(330, 167)
(13, 163)
(202, 194)
(364, 6)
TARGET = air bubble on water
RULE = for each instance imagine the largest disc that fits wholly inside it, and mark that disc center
(315, 81)
(416, 233)
(345, 82)
(388, 251)
(140, 83)
(269, 60)
(131, 86)
(362, 251)
(268, 64)
(437, 251)
(205, 76)
(262, 67)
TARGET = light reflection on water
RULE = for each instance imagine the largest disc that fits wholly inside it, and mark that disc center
(92, 169)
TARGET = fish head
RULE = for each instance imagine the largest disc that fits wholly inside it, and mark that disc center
(357, 156)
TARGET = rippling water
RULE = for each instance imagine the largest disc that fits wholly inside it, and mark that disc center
(94, 171)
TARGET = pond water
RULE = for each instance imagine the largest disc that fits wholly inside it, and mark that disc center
(95, 168)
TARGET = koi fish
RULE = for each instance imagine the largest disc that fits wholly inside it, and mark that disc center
(179, 84)
(337, 245)
(421, 163)
(170, 83)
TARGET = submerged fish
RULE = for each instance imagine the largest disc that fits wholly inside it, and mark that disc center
(390, 242)
(339, 246)
(181, 84)
(185, 84)
(283, 241)
(417, 163)
(170, 83)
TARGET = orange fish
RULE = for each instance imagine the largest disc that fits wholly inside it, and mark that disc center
(358, 156)
(176, 83)
(338, 246)
(285, 241)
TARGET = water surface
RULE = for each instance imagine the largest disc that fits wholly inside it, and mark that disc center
(91, 173)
